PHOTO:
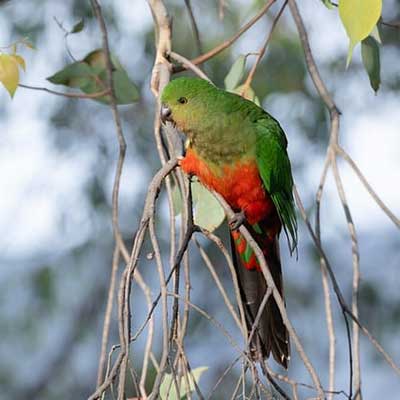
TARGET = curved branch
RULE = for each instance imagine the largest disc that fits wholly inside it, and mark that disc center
(367, 186)
(224, 45)
(69, 95)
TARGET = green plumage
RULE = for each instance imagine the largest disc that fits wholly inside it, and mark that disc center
(226, 128)
(274, 166)
(239, 150)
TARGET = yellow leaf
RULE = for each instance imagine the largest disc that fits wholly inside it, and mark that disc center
(359, 18)
(19, 60)
(9, 75)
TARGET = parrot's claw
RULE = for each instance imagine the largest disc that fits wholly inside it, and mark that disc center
(237, 220)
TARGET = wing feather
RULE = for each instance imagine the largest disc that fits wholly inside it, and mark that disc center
(276, 173)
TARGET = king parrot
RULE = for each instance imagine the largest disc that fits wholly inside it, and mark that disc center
(237, 149)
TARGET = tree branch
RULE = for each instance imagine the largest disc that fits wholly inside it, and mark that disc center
(69, 95)
(224, 45)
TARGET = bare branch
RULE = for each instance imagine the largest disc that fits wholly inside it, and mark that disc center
(69, 95)
(367, 186)
(336, 287)
(107, 316)
(213, 273)
(356, 277)
(189, 65)
(224, 45)
(194, 26)
(261, 52)
(121, 157)
(275, 293)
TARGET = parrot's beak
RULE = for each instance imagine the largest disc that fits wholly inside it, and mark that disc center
(165, 113)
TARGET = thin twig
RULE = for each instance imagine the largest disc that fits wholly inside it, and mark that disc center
(150, 334)
(124, 316)
(195, 28)
(164, 302)
(325, 284)
(367, 186)
(220, 287)
(270, 378)
(189, 65)
(69, 95)
(107, 316)
(356, 278)
(121, 157)
(261, 52)
(276, 295)
(222, 376)
(224, 45)
(337, 290)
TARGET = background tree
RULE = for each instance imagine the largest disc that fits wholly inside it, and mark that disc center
(58, 162)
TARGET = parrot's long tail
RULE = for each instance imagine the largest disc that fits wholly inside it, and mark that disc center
(271, 335)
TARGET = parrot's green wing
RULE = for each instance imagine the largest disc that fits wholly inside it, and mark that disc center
(275, 170)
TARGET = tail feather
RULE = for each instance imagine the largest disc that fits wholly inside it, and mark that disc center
(271, 335)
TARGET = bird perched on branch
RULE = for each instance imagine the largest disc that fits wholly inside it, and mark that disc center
(237, 149)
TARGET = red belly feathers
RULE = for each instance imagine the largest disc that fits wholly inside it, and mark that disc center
(240, 185)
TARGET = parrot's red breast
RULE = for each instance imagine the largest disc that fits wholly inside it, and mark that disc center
(240, 185)
(242, 188)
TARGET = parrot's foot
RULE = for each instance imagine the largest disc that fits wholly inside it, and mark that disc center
(237, 220)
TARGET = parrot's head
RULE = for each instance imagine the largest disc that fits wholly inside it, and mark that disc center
(183, 102)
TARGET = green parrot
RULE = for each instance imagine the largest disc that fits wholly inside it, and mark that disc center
(237, 149)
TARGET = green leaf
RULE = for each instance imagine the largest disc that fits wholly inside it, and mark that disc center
(359, 18)
(125, 91)
(249, 95)
(236, 73)
(208, 213)
(168, 388)
(96, 59)
(371, 60)
(72, 75)
(90, 76)
(78, 27)
(328, 4)
(9, 74)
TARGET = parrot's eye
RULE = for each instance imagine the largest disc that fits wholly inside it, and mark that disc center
(182, 100)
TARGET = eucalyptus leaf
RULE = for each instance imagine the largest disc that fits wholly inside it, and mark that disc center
(208, 213)
(328, 4)
(125, 90)
(370, 53)
(78, 27)
(9, 74)
(249, 95)
(236, 73)
(168, 385)
(96, 59)
(72, 74)
(90, 76)
(359, 18)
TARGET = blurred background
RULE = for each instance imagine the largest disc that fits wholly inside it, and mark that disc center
(57, 163)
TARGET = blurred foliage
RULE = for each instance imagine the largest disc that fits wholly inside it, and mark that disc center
(90, 76)
(53, 304)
